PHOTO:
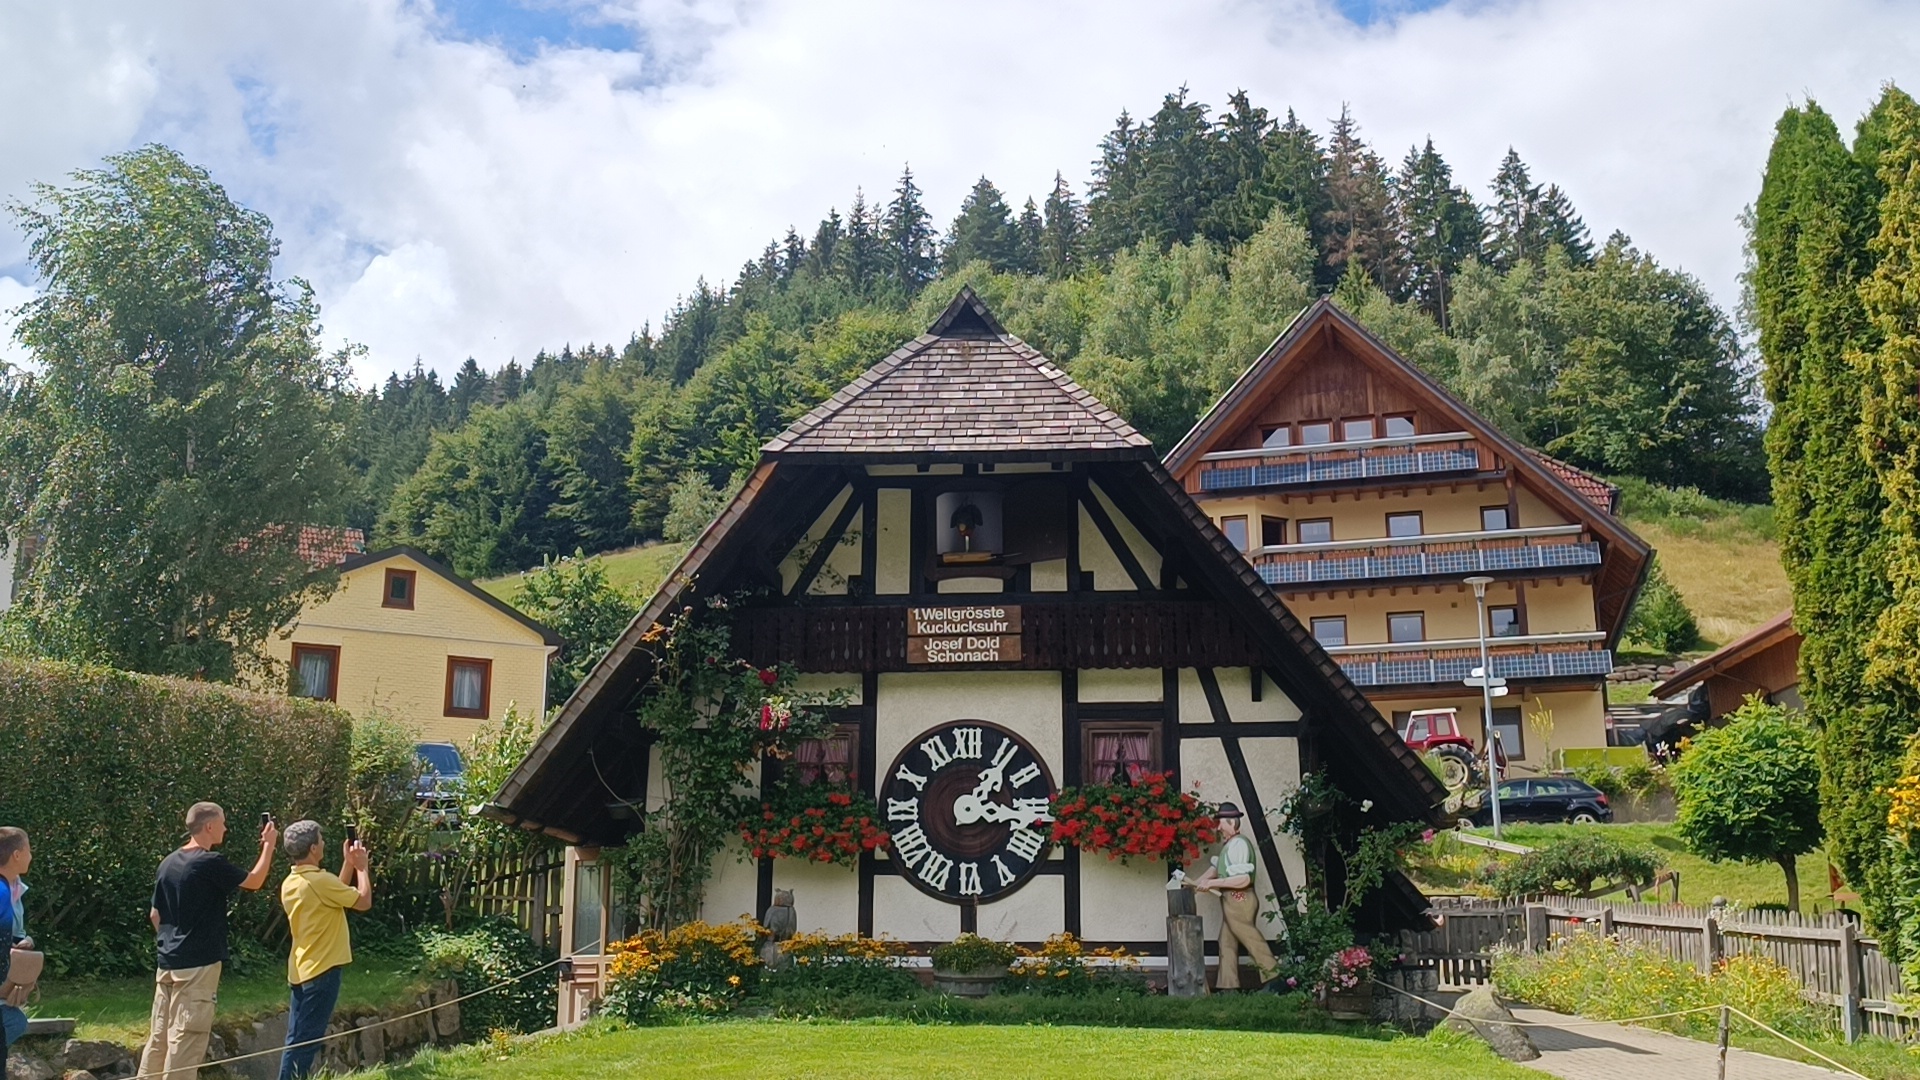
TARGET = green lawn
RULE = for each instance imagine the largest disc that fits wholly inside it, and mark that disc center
(759, 1049)
(1700, 880)
(116, 1010)
(639, 569)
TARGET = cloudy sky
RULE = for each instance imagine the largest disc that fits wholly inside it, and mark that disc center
(487, 177)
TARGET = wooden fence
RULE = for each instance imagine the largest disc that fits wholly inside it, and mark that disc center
(1836, 967)
(523, 886)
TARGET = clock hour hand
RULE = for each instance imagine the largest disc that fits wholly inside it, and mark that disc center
(970, 808)
(991, 779)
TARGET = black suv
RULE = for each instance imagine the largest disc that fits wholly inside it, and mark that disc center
(1548, 798)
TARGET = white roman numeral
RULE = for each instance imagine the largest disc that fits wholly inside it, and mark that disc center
(919, 782)
(1033, 809)
(936, 869)
(1025, 776)
(936, 751)
(903, 809)
(970, 879)
(910, 846)
(1000, 868)
(966, 742)
(1025, 843)
(1004, 753)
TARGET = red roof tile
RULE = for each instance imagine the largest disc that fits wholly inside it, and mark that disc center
(1590, 487)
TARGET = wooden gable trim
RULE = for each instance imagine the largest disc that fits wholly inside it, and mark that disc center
(1756, 641)
(1110, 532)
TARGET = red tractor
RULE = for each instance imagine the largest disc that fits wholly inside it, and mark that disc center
(1437, 732)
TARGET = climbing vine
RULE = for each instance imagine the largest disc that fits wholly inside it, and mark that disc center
(713, 716)
(1324, 818)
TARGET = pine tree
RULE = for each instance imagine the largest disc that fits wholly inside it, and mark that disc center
(1809, 242)
(471, 388)
(793, 255)
(1513, 221)
(1240, 147)
(1296, 172)
(907, 234)
(1358, 225)
(1442, 228)
(1561, 227)
(1029, 234)
(860, 254)
(1064, 236)
(982, 231)
(1112, 220)
(1177, 182)
(825, 249)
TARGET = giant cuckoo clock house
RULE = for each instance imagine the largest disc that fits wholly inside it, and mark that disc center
(999, 592)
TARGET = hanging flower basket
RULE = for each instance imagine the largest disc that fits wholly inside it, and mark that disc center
(824, 823)
(1149, 818)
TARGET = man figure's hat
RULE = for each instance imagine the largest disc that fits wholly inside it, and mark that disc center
(1227, 810)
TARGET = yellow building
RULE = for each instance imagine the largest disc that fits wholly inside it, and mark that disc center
(1366, 495)
(407, 637)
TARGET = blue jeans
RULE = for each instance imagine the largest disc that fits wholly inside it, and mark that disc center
(307, 1017)
(13, 1021)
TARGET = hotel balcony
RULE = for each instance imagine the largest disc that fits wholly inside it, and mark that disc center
(1548, 548)
(1366, 459)
(1521, 659)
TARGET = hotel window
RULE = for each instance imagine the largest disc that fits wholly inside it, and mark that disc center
(1273, 531)
(1503, 621)
(1330, 631)
(1278, 439)
(1316, 531)
(397, 592)
(316, 672)
(1356, 430)
(1404, 524)
(1406, 626)
(1120, 751)
(1399, 427)
(1236, 530)
(829, 758)
(1507, 725)
(1493, 518)
(1320, 431)
(469, 687)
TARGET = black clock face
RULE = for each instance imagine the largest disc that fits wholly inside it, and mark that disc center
(966, 805)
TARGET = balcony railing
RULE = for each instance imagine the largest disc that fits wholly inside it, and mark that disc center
(1443, 555)
(1419, 663)
(1407, 455)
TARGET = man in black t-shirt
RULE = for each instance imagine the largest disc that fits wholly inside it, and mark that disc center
(189, 913)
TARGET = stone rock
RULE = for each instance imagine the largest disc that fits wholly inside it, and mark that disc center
(94, 1057)
(29, 1067)
(373, 1047)
(1480, 1013)
(78, 1074)
(446, 1019)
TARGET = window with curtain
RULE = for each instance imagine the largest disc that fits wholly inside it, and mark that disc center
(467, 686)
(829, 759)
(316, 672)
(1113, 751)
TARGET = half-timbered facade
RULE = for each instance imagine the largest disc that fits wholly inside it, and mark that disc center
(1365, 494)
(1009, 595)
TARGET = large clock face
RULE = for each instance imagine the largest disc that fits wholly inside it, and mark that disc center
(966, 804)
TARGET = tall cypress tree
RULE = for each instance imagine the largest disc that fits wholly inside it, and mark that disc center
(1810, 232)
(983, 230)
(908, 240)
(1063, 238)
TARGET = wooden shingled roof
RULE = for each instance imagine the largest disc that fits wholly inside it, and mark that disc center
(965, 387)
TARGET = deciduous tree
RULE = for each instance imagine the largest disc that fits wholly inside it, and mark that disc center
(1750, 792)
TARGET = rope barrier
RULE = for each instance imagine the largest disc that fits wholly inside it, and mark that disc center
(1776, 1033)
(503, 984)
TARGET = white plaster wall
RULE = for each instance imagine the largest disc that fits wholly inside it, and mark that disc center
(1236, 692)
(826, 897)
(1193, 700)
(734, 887)
(1204, 769)
(1049, 576)
(1143, 551)
(893, 543)
(796, 559)
(1027, 702)
(1120, 901)
(656, 786)
(904, 912)
(972, 585)
(1034, 913)
(842, 563)
(1121, 684)
(1098, 559)
(1275, 767)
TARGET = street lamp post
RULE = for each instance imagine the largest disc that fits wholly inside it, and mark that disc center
(1480, 583)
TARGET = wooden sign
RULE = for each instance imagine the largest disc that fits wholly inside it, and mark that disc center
(963, 634)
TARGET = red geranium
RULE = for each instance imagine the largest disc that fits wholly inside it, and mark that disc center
(829, 823)
(1146, 818)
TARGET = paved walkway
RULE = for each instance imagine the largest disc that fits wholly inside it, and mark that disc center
(1616, 1052)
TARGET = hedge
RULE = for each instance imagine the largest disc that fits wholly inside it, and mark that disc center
(100, 767)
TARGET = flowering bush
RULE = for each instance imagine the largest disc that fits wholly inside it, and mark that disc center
(829, 823)
(1064, 967)
(1150, 818)
(696, 967)
(846, 964)
(1347, 969)
(1315, 937)
(971, 952)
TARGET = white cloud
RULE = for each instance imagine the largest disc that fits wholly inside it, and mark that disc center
(446, 199)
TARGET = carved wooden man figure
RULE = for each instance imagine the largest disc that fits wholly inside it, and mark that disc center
(1231, 877)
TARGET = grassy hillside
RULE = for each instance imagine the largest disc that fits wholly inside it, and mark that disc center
(640, 569)
(1722, 556)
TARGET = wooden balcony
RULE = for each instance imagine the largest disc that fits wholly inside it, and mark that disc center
(1521, 659)
(1550, 548)
(1322, 463)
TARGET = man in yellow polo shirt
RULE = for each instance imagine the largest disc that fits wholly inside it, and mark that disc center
(317, 904)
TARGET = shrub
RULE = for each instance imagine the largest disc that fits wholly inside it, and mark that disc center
(1063, 967)
(101, 767)
(1661, 620)
(971, 952)
(1314, 937)
(848, 964)
(1750, 791)
(1573, 863)
(696, 967)
(490, 953)
(1604, 777)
